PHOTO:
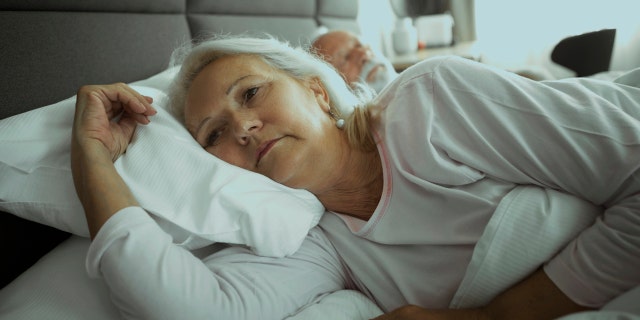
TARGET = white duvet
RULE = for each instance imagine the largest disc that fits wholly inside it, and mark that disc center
(59, 280)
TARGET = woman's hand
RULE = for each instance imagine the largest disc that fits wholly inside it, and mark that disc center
(96, 122)
(105, 119)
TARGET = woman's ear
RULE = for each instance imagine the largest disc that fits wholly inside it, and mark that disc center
(320, 92)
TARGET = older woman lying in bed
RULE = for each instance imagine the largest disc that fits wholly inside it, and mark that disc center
(411, 178)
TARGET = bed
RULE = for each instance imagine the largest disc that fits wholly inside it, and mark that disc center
(50, 49)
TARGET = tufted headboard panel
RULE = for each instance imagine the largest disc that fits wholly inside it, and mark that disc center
(293, 21)
(338, 14)
(50, 51)
(50, 48)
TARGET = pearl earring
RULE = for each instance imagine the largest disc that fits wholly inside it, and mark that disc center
(339, 121)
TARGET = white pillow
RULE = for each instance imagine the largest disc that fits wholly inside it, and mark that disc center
(195, 197)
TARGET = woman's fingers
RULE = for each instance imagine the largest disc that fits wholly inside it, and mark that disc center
(139, 118)
(96, 108)
(115, 100)
(128, 124)
(129, 99)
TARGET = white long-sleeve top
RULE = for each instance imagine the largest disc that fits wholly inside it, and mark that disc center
(456, 139)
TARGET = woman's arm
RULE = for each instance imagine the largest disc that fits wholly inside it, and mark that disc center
(149, 277)
(578, 136)
(105, 119)
(536, 297)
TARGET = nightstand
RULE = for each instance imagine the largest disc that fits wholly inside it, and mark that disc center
(464, 49)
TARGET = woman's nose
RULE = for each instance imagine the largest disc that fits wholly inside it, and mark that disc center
(246, 126)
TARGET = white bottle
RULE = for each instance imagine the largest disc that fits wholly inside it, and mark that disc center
(405, 37)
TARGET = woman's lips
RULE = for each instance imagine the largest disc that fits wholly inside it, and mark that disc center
(265, 148)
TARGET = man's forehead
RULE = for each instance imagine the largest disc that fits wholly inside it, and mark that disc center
(338, 44)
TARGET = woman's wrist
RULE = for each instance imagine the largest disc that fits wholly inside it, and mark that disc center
(100, 188)
(92, 149)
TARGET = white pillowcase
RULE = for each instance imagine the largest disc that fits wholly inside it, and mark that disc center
(195, 197)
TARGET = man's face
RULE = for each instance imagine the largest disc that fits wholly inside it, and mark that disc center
(345, 52)
(353, 60)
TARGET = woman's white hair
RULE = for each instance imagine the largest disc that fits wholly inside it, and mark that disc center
(295, 61)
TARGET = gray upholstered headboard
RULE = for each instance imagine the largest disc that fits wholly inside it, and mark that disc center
(52, 47)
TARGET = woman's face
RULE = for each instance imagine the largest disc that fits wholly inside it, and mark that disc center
(247, 113)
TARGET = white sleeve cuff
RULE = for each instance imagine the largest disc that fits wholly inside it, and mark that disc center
(118, 226)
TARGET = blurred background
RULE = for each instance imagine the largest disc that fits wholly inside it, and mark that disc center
(512, 34)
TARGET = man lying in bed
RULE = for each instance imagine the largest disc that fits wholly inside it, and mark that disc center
(354, 60)
(411, 179)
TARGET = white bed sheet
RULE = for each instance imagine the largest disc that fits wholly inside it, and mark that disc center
(57, 287)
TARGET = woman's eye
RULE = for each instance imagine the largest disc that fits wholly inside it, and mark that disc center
(212, 138)
(250, 93)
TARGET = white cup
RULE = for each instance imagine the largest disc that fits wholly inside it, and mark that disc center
(405, 37)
